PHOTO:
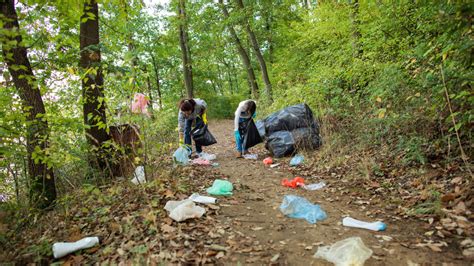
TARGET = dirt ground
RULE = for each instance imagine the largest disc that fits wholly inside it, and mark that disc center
(256, 231)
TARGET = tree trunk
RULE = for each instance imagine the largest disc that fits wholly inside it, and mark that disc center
(186, 53)
(157, 78)
(92, 88)
(43, 189)
(243, 55)
(258, 54)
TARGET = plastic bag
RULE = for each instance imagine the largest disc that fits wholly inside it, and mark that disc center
(261, 128)
(350, 251)
(293, 183)
(315, 186)
(202, 199)
(252, 136)
(200, 161)
(220, 188)
(268, 161)
(300, 208)
(297, 160)
(140, 104)
(202, 136)
(181, 155)
(207, 156)
(280, 143)
(61, 249)
(183, 210)
(292, 117)
(375, 226)
(139, 175)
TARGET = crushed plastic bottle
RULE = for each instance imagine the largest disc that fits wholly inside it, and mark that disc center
(315, 186)
(297, 160)
(139, 175)
(350, 251)
(183, 210)
(202, 199)
(220, 188)
(300, 208)
(250, 156)
(375, 226)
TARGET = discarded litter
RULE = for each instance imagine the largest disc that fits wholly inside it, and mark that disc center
(375, 226)
(215, 164)
(293, 183)
(61, 249)
(183, 210)
(139, 175)
(297, 160)
(300, 208)
(350, 251)
(207, 156)
(250, 156)
(274, 165)
(268, 161)
(315, 186)
(201, 161)
(202, 199)
(181, 155)
(220, 188)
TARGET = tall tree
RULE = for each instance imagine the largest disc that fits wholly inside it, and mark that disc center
(242, 53)
(186, 53)
(42, 190)
(92, 86)
(256, 49)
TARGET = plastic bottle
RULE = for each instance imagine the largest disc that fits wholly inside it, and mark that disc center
(375, 226)
(61, 249)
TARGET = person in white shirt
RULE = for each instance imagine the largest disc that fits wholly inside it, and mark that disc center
(190, 111)
(245, 111)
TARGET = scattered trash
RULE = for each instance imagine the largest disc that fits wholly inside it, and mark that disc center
(181, 155)
(300, 208)
(207, 156)
(61, 249)
(215, 164)
(297, 160)
(202, 199)
(221, 188)
(140, 104)
(350, 251)
(201, 161)
(315, 186)
(268, 161)
(183, 210)
(139, 175)
(274, 165)
(250, 156)
(375, 226)
(293, 183)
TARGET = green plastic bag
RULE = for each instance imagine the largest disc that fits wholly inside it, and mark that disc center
(221, 188)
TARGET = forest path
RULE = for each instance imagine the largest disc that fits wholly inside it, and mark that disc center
(256, 232)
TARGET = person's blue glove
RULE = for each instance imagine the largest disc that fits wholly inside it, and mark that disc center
(237, 137)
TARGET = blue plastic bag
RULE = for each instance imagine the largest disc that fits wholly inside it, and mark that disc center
(300, 208)
(297, 160)
(181, 155)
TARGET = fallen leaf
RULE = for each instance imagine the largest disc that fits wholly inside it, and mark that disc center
(167, 228)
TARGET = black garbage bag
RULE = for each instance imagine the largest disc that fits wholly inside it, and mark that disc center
(202, 136)
(280, 143)
(261, 128)
(252, 136)
(306, 138)
(290, 118)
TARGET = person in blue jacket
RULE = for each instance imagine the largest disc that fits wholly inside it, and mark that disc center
(245, 111)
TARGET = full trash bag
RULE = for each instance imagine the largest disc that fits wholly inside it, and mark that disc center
(183, 210)
(220, 188)
(181, 155)
(261, 128)
(300, 208)
(280, 143)
(252, 136)
(292, 117)
(202, 136)
(350, 251)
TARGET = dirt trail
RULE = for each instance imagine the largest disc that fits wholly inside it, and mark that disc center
(256, 232)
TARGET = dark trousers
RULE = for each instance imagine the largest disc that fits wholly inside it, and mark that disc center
(188, 123)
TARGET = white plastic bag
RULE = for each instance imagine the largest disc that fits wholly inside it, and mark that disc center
(375, 226)
(183, 210)
(181, 155)
(139, 175)
(348, 252)
(61, 249)
(207, 156)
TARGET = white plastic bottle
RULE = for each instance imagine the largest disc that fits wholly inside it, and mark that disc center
(375, 226)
